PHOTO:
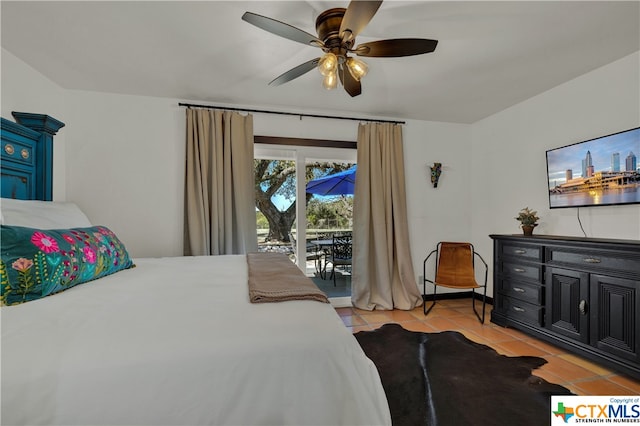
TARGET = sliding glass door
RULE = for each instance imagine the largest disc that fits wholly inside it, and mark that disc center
(290, 219)
(276, 206)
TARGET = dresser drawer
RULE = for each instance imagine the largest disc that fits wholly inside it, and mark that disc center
(526, 292)
(533, 253)
(522, 271)
(521, 311)
(580, 293)
(596, 259)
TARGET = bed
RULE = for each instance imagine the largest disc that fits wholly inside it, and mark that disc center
(172, 341)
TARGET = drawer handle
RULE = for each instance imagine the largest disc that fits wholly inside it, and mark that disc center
(591, 260)
(519, 290)
(519, 251)
(520, 270)
(518, 309)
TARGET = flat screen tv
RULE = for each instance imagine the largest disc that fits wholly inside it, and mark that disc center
(598, 172)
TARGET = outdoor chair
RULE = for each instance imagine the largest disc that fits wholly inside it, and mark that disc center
(312, 252)
(325, 251)
(341, 253)
(455, 268)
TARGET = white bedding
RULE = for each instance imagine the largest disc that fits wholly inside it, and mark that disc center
(176, 341)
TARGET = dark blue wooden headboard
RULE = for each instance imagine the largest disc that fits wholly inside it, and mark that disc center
(26, 169)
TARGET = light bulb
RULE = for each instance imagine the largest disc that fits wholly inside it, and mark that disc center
(330, 81)
(357, 68)
(328, 64)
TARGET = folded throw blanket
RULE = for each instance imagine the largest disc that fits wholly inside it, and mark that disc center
(274, 278)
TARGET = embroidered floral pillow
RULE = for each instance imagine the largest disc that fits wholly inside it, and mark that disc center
(36, 263)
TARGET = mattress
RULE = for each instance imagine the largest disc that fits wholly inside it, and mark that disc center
(175, 341)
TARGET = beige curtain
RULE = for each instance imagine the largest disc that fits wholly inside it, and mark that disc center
(383, 275)
(220, 214)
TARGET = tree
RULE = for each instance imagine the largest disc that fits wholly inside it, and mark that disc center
(337, 210)
(277, 177)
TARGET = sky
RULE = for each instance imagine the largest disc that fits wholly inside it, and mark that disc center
(570, 157)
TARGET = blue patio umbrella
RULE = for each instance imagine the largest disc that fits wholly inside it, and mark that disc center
(341, 183)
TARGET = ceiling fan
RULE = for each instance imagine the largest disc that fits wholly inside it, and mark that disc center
(337, 30)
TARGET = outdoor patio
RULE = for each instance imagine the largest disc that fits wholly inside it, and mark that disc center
(343, 277)
(324, 234)
(343, 281)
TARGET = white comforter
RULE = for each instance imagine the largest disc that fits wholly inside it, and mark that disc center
(176, 341)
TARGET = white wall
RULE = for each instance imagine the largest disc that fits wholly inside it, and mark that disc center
(508, 166)
(126, 163)
(141, 197)
(125, 168)
(442, 213)
(123, 159)
(26, 90)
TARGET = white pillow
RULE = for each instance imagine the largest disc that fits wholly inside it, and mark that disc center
(42, 214)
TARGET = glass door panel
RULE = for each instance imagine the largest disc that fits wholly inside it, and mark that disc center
(275, 194)
(286, 225)
(329, 212)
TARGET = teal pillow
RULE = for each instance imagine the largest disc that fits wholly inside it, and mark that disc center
(36, 263)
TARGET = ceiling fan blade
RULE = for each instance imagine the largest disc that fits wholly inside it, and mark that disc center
(283, 30)
(358, 15)
(394, 48)
(296, 72)
(351, 85)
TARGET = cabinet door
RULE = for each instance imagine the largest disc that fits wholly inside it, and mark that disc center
(16, 184)
(567, 304)
(615, 305)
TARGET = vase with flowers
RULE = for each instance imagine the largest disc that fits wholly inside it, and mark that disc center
(528, 220)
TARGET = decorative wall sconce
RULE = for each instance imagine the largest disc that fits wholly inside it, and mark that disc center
(436, 170)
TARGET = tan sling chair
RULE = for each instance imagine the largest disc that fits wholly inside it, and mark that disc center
(455, 268)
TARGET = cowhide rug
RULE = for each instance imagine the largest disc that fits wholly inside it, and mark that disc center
(446, 379)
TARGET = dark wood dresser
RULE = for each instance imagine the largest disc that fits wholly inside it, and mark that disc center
(582, 294)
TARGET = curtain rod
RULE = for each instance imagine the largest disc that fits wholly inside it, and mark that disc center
(290, 113)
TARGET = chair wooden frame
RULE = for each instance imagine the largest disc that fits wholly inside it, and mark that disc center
(464, 280)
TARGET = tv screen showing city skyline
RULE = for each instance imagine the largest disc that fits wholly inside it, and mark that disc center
(600, 171)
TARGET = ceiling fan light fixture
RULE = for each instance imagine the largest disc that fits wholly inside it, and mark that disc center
(330, 81)
(337, 29)
(357, 68)
(328, 64)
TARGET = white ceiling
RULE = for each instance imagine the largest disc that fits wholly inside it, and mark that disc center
(490, 55)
